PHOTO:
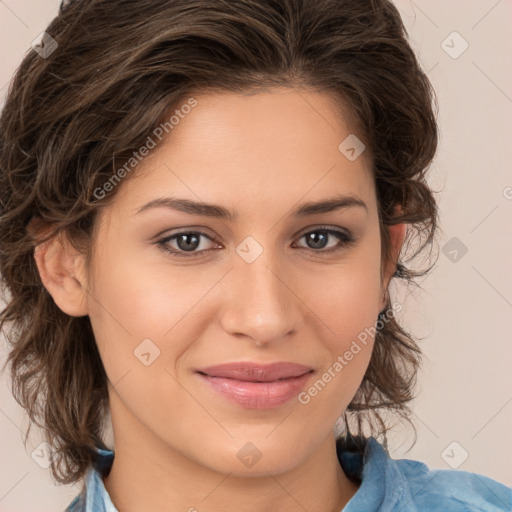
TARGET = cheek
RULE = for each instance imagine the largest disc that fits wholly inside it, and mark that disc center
(346, 345)
(132, 303)
(345, 297)
(345, 300)
(141, 318)
(145, 310)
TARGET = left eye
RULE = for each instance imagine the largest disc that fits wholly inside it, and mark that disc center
(187, 242)
(319, 236)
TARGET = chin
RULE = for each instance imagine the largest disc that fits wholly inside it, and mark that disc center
(256, 458)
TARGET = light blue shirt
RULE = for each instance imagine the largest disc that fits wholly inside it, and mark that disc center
(386, 485)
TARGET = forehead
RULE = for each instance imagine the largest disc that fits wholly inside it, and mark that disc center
(282, 115)
(252, 150)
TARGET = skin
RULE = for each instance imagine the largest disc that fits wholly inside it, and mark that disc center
(176, 441)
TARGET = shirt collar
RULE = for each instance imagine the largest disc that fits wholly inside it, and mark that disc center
(382, 485)
(96, 496)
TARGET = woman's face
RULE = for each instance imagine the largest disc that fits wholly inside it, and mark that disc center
(265, 286)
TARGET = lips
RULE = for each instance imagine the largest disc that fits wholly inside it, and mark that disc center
(254, 385)
(255, 372)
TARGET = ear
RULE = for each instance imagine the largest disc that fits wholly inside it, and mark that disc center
(397, 234)
(61, 268)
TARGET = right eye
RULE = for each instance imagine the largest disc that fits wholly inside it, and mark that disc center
(186, 243)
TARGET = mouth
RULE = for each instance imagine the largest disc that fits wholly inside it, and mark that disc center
(256, 386)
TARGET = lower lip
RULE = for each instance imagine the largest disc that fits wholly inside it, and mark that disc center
(257, 395)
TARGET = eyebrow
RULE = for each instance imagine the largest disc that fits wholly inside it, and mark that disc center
(219, 212)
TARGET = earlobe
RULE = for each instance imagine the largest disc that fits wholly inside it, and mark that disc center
(59, 266)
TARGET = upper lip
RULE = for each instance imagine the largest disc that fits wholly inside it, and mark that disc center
(256, 372)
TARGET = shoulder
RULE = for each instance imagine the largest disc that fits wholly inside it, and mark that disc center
(411, 486)
(453, 490)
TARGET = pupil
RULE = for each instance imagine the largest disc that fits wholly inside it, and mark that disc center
(315, 237)
(188, 246)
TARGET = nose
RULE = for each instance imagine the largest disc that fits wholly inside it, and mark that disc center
(259, 303)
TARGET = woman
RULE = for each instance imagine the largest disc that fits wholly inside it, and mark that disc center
(203, 207)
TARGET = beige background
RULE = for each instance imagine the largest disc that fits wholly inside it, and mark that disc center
(464, 310)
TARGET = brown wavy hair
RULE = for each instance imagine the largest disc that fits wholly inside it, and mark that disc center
(72, 118)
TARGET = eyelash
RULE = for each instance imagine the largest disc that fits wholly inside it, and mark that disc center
(345, 240)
